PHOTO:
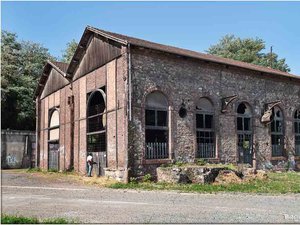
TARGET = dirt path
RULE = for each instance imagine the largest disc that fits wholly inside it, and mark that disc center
(35, 195)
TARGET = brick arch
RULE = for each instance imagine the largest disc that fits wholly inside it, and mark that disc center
(211, 98)
(162, 91)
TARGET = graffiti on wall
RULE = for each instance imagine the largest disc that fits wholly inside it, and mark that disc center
(11, 160)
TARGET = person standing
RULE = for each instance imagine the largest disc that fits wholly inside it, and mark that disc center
(89, 161)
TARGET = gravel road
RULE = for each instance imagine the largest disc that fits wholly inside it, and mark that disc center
(32, 195)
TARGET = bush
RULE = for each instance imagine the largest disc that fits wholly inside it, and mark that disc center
(133, 180)
(200, 162)
(147, 178)
(179, 163)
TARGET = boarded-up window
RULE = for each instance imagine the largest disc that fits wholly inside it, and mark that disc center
(205, 129)
(156, 121)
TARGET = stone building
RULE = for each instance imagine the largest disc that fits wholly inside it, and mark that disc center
(136, 105)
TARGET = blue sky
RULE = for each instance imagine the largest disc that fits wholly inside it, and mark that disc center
(191, 25)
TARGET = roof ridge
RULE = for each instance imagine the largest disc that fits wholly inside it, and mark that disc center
(196, 54)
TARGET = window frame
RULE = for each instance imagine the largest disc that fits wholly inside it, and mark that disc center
(50, 113)
(205, 130)
(157, 127)
(276, 133)
(102, 130)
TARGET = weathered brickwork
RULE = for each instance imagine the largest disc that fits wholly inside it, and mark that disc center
(188, 80)
(119, 70)
(115, 72)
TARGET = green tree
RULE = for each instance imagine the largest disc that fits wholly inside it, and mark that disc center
(247, 50)
(21, 66)
(69, 51)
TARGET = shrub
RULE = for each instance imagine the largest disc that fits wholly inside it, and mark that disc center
(200, 162)
(147, 178)
(133, 180)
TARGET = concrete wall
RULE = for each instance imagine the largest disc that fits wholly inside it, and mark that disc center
(186, 79)
(17, 149)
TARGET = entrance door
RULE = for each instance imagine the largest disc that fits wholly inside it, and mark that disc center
(245, 148)
(99, 159)
(53, 156)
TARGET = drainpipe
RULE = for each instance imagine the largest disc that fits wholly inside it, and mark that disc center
(37, 132)
(129, 82)
(129, 118)
(72, 128)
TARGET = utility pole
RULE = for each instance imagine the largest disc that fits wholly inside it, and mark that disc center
(271, 55)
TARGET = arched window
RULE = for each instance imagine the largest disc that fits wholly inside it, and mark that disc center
(53, 140)
(297, 132)
(244, 132)
(277, 133)
(205, 129)
(96, 122)
(156, 132)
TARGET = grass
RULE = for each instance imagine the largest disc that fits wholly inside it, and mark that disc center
(72, 176)
(10, 219)
(276, 183)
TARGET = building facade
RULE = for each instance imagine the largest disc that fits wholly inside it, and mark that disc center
(136, 105)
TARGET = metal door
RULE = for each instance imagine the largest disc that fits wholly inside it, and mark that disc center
(53, 156)
(245, 148)
(99, 159)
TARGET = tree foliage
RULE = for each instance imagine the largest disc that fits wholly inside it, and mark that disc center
(247, 50)
(21, 66)
(69, 51)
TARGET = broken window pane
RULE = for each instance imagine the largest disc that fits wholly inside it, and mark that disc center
(162, 118)
(199, 121)
(208, 121)
(239, 123)
(247, 124)
(296, 125)
(96, 142)
(297, 114)
(277, 135)
(205, 129)
(241, 108)
(96, 121)
(150, 117)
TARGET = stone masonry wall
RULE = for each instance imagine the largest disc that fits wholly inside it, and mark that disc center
(182, 79)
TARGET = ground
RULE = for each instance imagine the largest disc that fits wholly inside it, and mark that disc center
(32, 194)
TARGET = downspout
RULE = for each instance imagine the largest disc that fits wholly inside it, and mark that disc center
(129, 83)
(72, 128)
(129, 115)
(37, 132)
